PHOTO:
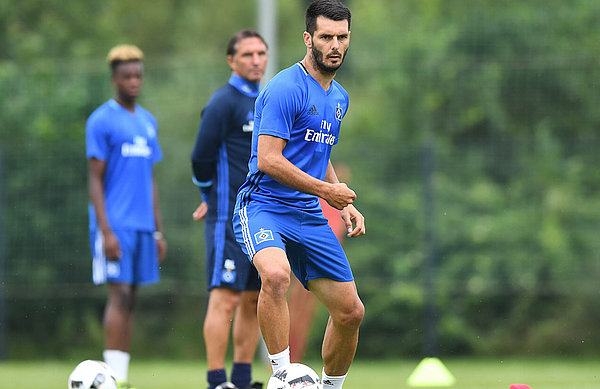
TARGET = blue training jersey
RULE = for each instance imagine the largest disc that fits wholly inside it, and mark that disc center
(128, 143)
(293, 106)
(222, 147)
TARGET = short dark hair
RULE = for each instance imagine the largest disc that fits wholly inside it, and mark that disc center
(242, 34)
(331, 9)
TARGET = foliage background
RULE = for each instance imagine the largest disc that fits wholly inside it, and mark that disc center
(499, 99)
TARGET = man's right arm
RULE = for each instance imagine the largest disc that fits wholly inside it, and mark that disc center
(204, 154)
(272, 162)
(96, 171)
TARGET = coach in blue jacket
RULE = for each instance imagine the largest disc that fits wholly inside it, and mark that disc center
(220, 164)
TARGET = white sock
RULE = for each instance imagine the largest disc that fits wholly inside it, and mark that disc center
(280, 360)
(119, 362)
(333, 382)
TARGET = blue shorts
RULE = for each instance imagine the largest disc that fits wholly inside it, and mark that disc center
(138, 263)
(311, 246)
(226, 264)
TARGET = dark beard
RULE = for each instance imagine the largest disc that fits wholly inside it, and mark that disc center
(318, 57)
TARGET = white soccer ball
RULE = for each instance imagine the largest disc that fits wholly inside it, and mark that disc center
(295, 376)
(91, 374)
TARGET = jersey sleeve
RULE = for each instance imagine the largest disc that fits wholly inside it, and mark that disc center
(157, 154)
(346, 105)
(96, 138)
(211, 133)
(279, 105)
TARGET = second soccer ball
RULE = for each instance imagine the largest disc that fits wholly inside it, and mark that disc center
(295, 375)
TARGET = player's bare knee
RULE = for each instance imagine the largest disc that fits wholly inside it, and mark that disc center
(123, 298)
(352, 317)
(249, 301)
(275, 282)
(232, 300)
(227, 309)
(223, 302)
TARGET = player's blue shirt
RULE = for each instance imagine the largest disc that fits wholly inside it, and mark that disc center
(128, 143)
(222, 146)
(293, 106)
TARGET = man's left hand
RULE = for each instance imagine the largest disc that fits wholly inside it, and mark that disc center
(355, 221)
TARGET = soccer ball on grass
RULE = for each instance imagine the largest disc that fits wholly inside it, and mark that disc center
(91, 374)
(295, 376)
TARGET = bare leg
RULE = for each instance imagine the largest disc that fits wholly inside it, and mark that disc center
(245, 328)
(346, 313)
(217, 324)
(273, 315)
(118, 316)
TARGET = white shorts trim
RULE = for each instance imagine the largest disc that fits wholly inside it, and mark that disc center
(99, 260)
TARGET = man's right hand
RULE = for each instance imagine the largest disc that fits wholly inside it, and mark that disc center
(112, 249)
(339, 195)
(200, 212)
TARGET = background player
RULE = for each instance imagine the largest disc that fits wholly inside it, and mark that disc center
(125, 224)
(278, 220)
(220, 164)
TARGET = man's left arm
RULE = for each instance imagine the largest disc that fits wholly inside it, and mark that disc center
(158, 234)
(211, 132)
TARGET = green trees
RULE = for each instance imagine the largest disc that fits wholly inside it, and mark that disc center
(500, 92)
(505, 94)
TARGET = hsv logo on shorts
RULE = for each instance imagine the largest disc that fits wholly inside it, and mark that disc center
(228, 274)
(263, 235)
(113, 268)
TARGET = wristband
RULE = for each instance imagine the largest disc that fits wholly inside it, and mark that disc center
(158, 235)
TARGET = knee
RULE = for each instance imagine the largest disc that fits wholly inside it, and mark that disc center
(231, 300)
(123, 298)
(352, 316)
(248, 304)
(223, 302)
(275, 282)
(249, 299)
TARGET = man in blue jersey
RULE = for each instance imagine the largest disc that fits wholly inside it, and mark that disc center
(125, 225)
(278, 220)
(220, 164)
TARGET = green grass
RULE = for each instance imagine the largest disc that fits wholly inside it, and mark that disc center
(470, 373)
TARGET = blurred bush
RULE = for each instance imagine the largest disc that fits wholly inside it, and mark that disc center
(503, 94)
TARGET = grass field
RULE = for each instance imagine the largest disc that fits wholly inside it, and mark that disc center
(469, 374)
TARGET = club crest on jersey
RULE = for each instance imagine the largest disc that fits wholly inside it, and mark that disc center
(338, 113)
(263, 236)
(151, 131)
(249, 126)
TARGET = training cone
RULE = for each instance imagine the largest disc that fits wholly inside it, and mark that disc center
(429, 373)
(520, 386)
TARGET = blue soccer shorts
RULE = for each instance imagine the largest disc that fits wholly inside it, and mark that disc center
(311, 246)
(138, 264)
(226, 264)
